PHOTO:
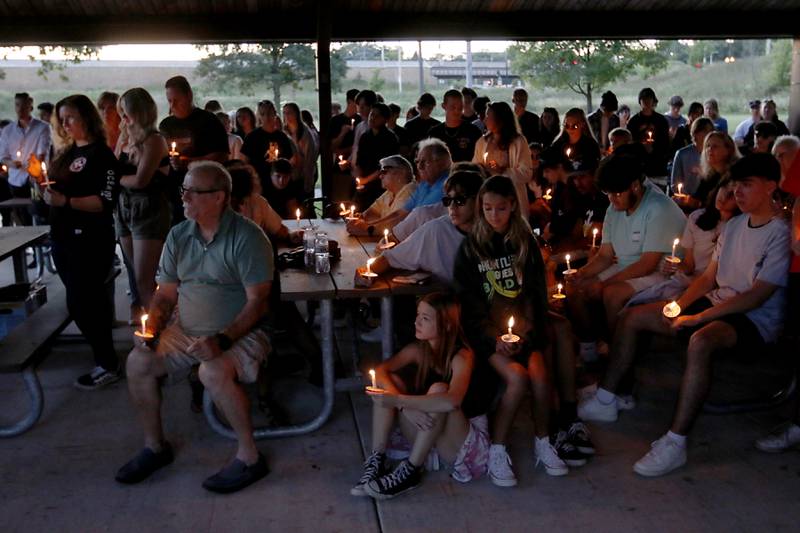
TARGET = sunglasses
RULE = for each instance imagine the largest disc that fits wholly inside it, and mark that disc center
(459, 201)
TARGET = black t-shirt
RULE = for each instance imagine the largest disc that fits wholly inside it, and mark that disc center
(373, 147)
(652, 132)
(529, 124)
(586, 149)
(402, 136)
(197, 135)
(90, 170)
(337, 123)
(417, 128)
(260, 148)
(461, 140)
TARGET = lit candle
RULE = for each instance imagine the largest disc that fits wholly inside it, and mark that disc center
(386, 236)
(297, 214)
(510, 337)
(343, 210)
(45, 181)
(568, 258)
(5, 168)
(358, 184)
(19, 155)
(569, 271)
(680, 189)
(569, 151)
(341, 158)
(675, 245)
(485, 157)
(594, 238)
(174, 151)
(352, 211)
(369, 266)
(372, 375)
(547, 195)
(510, 325)
(144, 324)
(559, 295)
(672, 309)
(649, 136)
(352, 122)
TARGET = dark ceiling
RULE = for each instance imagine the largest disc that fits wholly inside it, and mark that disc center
(157, 21)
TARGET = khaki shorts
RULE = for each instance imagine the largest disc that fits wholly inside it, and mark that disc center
(247, 353)
(638, 284)
(144, 216)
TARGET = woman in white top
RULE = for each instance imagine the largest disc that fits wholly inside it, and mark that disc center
(307, 148)
(504, 151)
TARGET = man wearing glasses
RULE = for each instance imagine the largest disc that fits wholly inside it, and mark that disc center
(217, 268)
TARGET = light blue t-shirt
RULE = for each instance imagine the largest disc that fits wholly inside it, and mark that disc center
(653, 227)
(426, 193)
(686, 170)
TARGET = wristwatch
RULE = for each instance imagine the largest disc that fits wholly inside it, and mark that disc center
(370, 230)
(224, 342)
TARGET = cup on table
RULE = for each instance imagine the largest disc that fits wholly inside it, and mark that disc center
(322, 260)
(309, 244)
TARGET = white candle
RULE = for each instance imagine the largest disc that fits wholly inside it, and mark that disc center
(674, 245)
(547, 194)
(174, 146)
(342, 209)
(568, 258)
(297, 214)
(144, 324)
(385, 236)
(680, 188)
(510, 325)
(352, 211)
(372, 375)
(559, 287)
(594, 238)
(352, 122)
(485, 156)
(672, 309)
(369, 265)
(358, 183)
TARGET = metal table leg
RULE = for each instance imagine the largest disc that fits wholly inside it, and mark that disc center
(326, 320)
(387, 342)
(36, 402)
(20, 267)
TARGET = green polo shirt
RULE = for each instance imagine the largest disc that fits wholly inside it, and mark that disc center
(212, 276)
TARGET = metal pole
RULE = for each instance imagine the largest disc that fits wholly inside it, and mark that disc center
(324, 95)
(469, 63)
(400, 69)
(421, 68)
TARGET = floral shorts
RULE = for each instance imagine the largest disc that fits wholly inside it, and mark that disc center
(473, 457)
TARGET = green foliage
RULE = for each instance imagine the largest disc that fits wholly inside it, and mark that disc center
(361, 51)
(781, 61)
(249, 68)
(376, 82)
(586, 67)
(74, 54)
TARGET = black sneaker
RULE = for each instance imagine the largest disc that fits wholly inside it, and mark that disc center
(578, 435)
(97, 379)
(145, 463)
(237, 476)
(567, 452)
(374, 467)
(404, 478)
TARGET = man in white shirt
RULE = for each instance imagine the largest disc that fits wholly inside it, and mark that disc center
(19, 141)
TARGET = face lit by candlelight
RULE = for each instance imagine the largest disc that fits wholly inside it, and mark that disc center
(73, 123)
(425, 328)
(497, 211)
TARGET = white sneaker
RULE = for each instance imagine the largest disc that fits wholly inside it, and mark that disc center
(665, 455)
(372, 336)
(544, 453)
(784, 437)
(591, 408)
(500, 470)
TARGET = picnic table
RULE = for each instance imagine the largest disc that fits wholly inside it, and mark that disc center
(338, 284)
(14, 241)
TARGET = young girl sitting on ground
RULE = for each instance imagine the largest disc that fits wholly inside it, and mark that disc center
(442, 406)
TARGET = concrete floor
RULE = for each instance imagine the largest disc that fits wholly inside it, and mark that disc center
(59, 475)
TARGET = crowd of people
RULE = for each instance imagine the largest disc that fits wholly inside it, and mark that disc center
(560, 241)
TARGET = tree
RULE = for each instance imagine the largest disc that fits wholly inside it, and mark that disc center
(252, 67)
(585, 67)
(73, 54)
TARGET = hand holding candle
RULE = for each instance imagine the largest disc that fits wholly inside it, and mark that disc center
(547, 196)
(45, 182)
(173, 149)
(374, 389)
(569, 271)
(384, 243)
(143, 332)
(510, 337)
(673, 258)
(559, 295)
(672, 309)
(359, 185)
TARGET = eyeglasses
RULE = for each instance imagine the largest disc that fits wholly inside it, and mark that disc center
(459, 201)
(193, 190)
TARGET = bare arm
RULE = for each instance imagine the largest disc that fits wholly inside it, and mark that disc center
(252, 312)
(153, 151)
(600, 261)
(161, 306)
(406, 356)
(700, 286)
(443, 402)
(741, 303)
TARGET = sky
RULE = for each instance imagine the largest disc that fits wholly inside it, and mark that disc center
(187, 52)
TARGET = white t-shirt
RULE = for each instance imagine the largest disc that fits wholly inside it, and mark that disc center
(651, 228)
(416, 218)
(388, 202)
(431, 248)
(257, 208)
(745, 255)
(700, 241)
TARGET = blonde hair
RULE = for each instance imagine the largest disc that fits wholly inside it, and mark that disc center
(141, 108)
(705, 168)
(519, 232)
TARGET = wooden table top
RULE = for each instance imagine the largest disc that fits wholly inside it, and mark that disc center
(20, 237)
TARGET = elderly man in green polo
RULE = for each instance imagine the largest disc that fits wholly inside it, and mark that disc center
(217, 268)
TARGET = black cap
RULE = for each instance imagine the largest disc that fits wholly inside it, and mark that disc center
(757, 165)
(754, 104)
(608, 101)
(647, 92)
(765, 128)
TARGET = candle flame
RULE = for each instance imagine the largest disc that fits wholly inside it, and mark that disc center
(343, 207)
(568, 258)
(370, 261)
(386, 234)
(44, 166)
(297, 213)
(174, 145)
(594, 231)
(485, 156)
(510, 323)
(144, 323)
(569, 151)
(676, 242)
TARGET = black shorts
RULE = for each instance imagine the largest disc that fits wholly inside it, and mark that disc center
(747, 334)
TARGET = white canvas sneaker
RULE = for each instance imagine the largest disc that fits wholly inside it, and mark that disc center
(500, 470)
(665, 455)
